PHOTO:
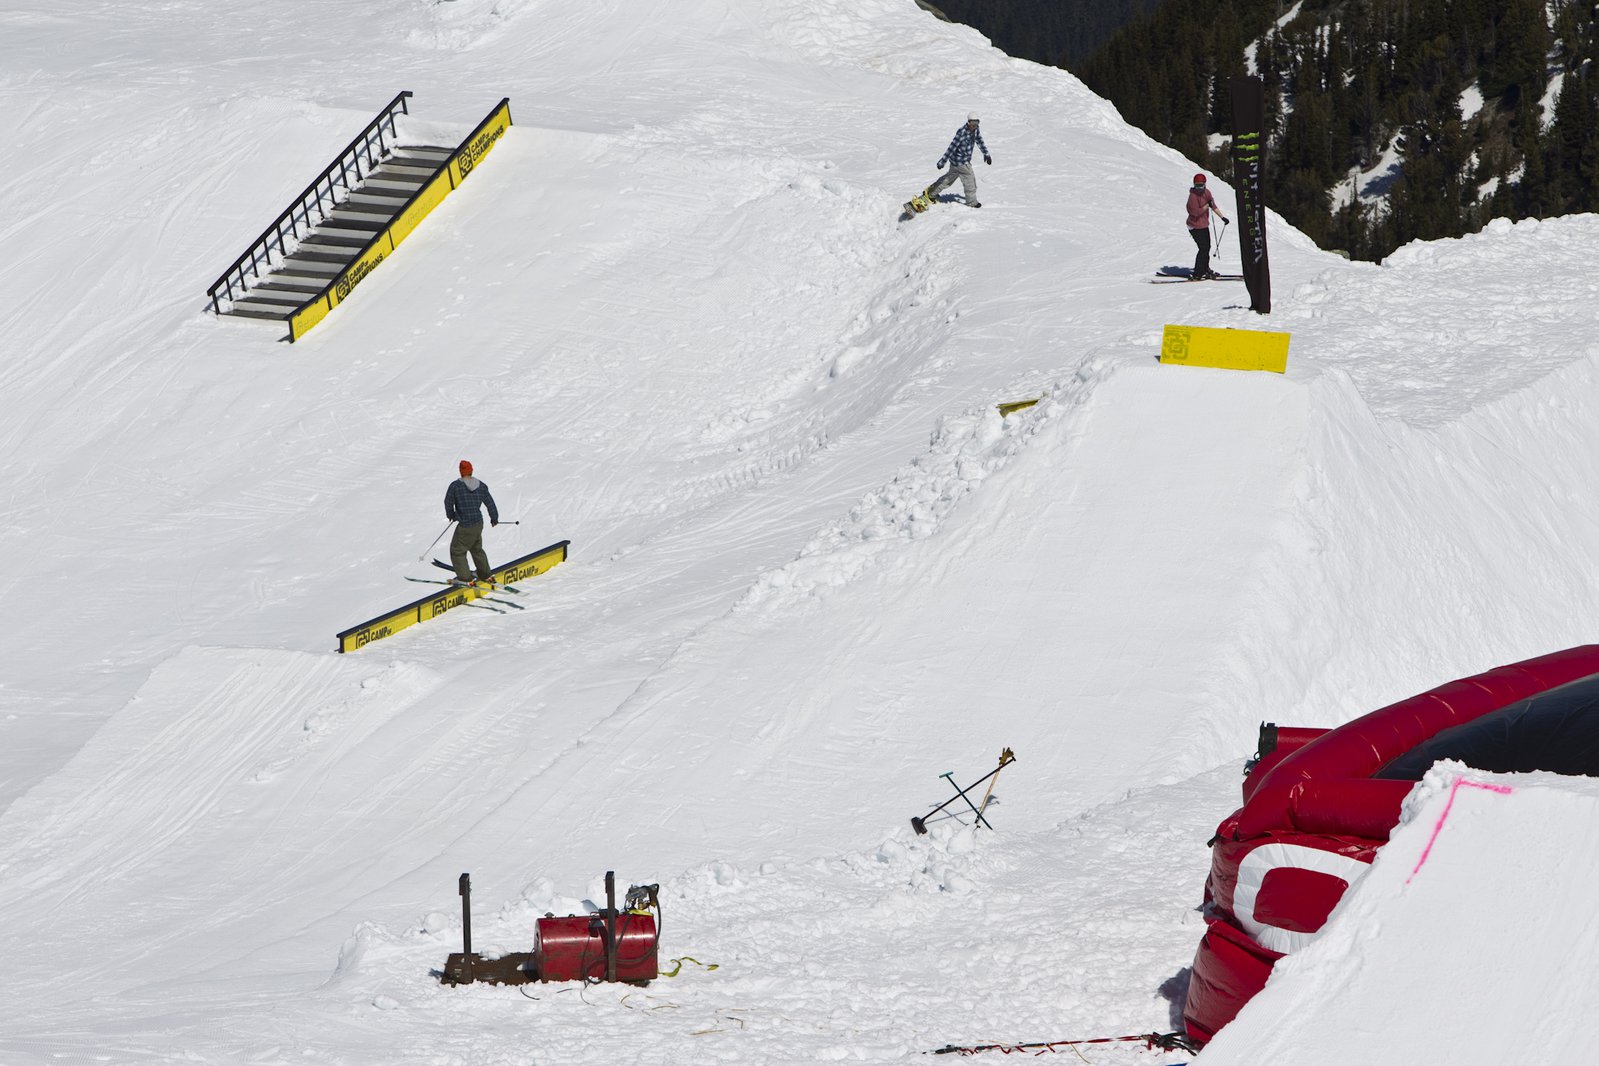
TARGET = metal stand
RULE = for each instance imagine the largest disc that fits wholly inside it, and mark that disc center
(466, 966)
(1006, 757)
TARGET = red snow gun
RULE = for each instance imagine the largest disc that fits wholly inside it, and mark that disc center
(611, 944)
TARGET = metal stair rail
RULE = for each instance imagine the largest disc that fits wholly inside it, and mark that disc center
(321, 196)
(403, 201)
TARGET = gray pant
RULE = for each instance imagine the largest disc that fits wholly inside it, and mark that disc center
(963, 171)
(469, 539)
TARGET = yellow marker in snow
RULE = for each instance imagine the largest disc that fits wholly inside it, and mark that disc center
(1016, 405)
(1228, 349)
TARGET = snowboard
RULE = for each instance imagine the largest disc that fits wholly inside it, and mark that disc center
(916, 205)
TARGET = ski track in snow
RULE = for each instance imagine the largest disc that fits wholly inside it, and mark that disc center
(673, 318)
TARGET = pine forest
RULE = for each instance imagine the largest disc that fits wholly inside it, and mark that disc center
(1389, 120)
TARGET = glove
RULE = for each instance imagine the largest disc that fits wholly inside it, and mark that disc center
(939, 164)
(494, 522)
(989, 160)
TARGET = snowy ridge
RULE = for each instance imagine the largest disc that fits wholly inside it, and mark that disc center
(964, 452)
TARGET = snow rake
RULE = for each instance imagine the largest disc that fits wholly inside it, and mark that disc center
(1006, 757)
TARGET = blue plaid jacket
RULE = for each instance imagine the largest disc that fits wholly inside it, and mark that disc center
(959, 151)
(464, 505)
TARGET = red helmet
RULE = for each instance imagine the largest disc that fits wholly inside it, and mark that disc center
(1199, 179)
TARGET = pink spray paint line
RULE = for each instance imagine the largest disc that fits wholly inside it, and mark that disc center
(1503, 790)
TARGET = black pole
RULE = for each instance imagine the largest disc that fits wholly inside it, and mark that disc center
(610, 925)
(920, 824)
(466, 914)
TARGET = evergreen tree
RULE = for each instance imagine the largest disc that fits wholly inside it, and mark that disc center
(1515, 66)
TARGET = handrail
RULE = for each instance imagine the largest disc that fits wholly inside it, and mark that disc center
(300, 210)
(468, 150)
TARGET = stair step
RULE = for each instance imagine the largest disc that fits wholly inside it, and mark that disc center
(323, 239)
(326, 254)
(389, 203)
(406, 168)
(267, 296)
(306, 278)
(396, 183)
(358, 220)
(267, 312)
(381, 213)
(290, 285)
(350, 231)
(365, 230)
(377, 194)
(428, 151)
(299, 264)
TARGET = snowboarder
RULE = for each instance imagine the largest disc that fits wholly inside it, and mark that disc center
(1200, 205)
(959, 157)
(463, 503)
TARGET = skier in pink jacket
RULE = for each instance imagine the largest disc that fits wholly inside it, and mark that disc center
(1200, 205)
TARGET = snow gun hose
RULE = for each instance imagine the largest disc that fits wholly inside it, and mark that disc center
(1163, 1041)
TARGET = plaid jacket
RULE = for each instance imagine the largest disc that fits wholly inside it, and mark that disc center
(464, 505)
(959, 151)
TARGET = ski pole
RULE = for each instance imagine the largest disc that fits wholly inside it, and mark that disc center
(1220, 235)
(436, 539)
(1005, 756)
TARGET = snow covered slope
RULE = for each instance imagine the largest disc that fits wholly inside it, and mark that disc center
(673, 319)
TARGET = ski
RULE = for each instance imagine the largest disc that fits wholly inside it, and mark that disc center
(1185, 274)
(480, 585)
(496, 587)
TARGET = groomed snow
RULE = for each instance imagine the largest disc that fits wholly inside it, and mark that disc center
(673, 319)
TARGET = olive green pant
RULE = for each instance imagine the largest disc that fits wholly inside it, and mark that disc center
(469, 539)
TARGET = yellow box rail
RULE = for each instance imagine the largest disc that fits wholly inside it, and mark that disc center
(461, 163)
(386, 625)
(1229, 349)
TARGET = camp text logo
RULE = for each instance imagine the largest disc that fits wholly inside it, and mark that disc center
(350, 279)
(367, 636)
(446, 601)
(478, 149)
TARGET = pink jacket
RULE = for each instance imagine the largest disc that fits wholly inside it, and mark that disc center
(1199, 204)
